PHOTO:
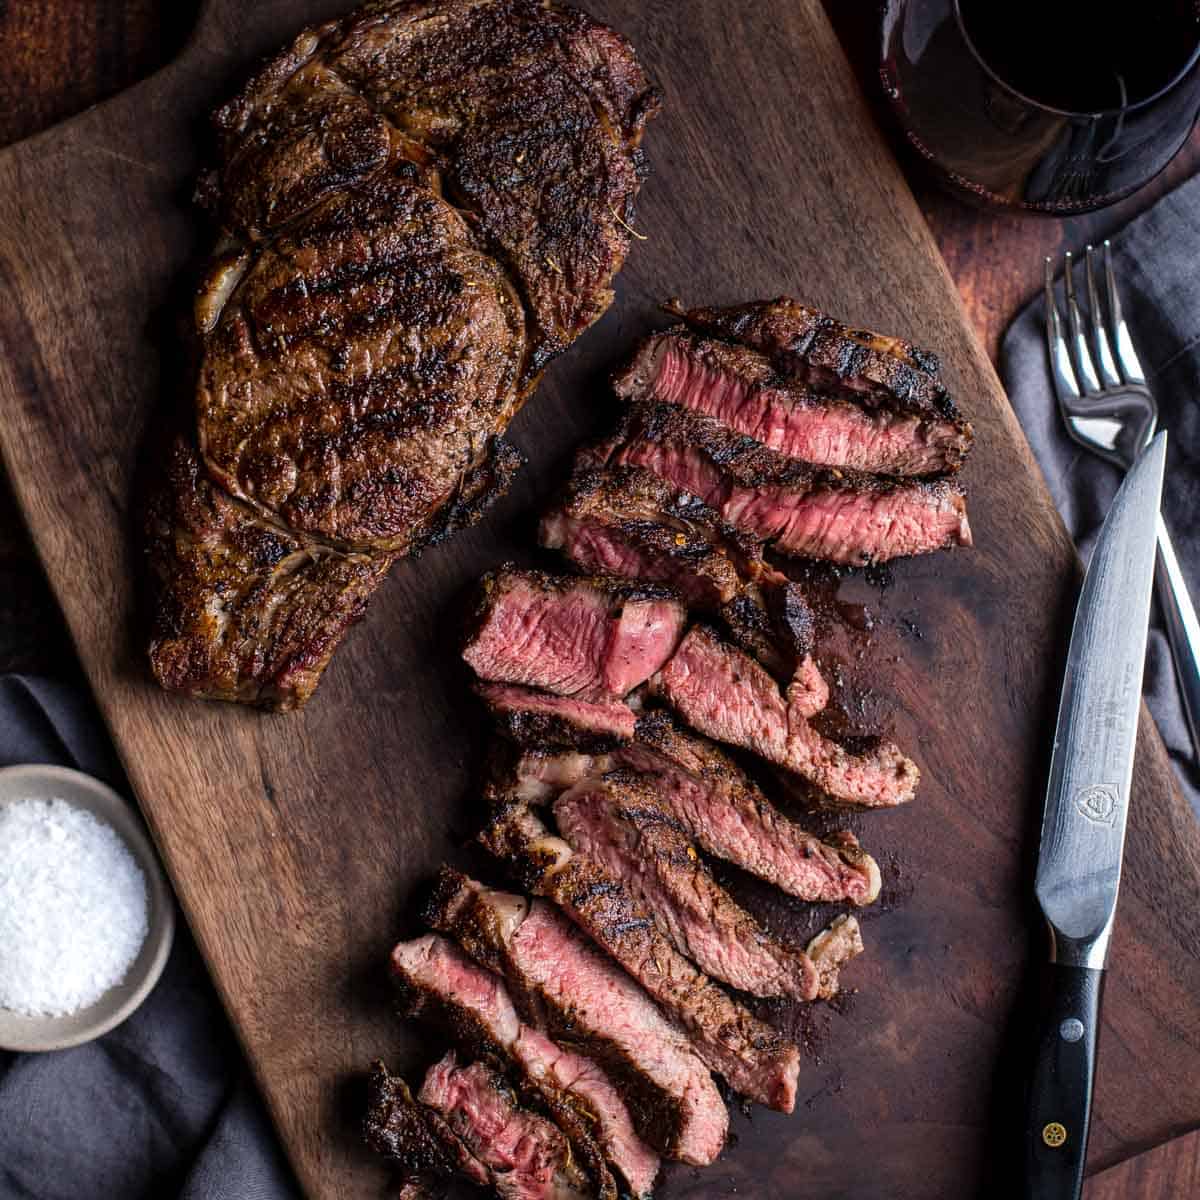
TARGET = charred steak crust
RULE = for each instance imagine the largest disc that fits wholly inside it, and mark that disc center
(421, 203)
(755, 1060)
(361, 366)
(528, 114)
(414, 1138)
(802, 510)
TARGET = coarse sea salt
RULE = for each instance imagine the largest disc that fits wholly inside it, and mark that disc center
(73, 908)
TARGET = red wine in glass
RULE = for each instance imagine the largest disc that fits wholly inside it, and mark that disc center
(1056, 106)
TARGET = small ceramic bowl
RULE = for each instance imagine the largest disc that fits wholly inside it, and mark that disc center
(39, 782)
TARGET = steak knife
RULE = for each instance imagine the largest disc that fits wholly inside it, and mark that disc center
(1083, 826)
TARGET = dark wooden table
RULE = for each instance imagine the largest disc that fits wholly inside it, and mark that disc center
(62, 55)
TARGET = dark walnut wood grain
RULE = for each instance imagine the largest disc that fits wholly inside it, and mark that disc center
(297, 842)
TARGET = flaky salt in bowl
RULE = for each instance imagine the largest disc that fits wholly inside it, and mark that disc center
(86, 918)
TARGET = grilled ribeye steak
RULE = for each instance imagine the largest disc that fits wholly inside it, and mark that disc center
(836, 427)
(561, 982)
(801, 510)
(420, 204)
(726, 695)
(617, 821)
(717, 805)
(589, 637)
(627, 521)
(437, 981)
(754, 1059)
(246, 610)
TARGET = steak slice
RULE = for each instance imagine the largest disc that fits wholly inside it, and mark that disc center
(591, 638)
(754, 1059)
(717, 805)
(806, 346)
(561, 982)
(530, 717)
(726, 695)
(438, 982)
(526, 1157)
(842, 427)
(242, 610)
(616, 822)
(811, 512)
(416, 1139)
(627, 521)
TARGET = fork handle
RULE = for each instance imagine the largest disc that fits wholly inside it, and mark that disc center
(1183, 628)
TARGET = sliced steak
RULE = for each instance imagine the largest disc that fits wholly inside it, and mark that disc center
(617, 822)
(563, 983)
(592, 638)
(627, 521)
(717, 805)
(810, 512)
(526, 1157)
(725, 694)
(742, 389)
(754, 1059)
(441, 983)
(806, 346)
(416, 1139)
(530, 717)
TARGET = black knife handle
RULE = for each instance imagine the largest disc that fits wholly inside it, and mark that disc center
(1060, 1093)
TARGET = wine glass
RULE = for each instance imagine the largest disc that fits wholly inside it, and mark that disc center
(1054, 106)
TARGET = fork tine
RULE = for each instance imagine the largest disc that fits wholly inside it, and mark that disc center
(1084, 367)
(1102, 352)
(1066, 386)
(1130, 364)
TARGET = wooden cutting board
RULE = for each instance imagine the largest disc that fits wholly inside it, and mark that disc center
(297, 842)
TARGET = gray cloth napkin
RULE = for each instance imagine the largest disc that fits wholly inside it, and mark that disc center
(161, 1106)
(1157, 261)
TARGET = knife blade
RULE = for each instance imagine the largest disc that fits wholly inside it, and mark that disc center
(1083, 824)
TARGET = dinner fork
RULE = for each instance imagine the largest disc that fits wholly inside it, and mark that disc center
(1108, 408)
